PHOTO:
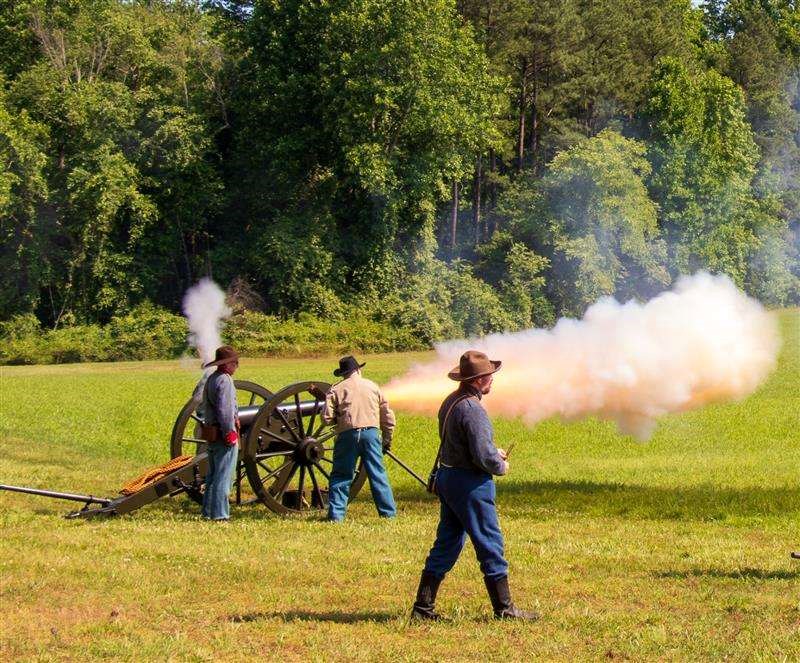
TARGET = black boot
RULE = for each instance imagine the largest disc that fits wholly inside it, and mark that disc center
(502, 604)
(426, 598)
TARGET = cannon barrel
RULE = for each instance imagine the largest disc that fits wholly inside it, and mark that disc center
(248, 413)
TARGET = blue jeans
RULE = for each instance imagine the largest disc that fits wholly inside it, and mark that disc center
(467, 507)
(221, 462)
(349, 446)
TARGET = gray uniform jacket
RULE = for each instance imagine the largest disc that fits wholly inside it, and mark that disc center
(219, 402)
(468, 440)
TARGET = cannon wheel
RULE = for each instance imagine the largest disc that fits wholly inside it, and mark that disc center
(288, 453)
(185, 434)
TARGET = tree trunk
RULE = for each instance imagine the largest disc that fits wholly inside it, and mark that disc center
(485, 224)
(535, 124)
(187, 261)
(454, 217)
(209, 270)
(493, 190)
(522, 109)
(476, 198)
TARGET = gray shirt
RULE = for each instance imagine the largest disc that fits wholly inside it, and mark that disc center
(219, 402)
(468, 438)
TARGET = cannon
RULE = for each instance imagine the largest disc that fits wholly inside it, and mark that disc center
(285, 457)
(286, 452)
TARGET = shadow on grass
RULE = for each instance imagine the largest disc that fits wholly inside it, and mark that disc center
(747, 573)
(703, 502)
(531, 498)
(255, 511)
(308, 616)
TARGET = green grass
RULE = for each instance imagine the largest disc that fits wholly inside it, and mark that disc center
(674, 549)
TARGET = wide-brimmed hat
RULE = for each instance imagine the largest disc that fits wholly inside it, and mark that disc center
(223, 355)
(473, 364)
(347, 365)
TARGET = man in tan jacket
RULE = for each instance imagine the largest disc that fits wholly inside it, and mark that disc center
(358, 408)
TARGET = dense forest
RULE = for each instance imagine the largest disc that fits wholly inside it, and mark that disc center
(441, 167)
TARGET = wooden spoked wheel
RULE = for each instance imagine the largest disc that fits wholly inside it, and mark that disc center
(288, 454)
(186, 439)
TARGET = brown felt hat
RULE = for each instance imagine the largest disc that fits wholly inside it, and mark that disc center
(473, 364)
(223, 355)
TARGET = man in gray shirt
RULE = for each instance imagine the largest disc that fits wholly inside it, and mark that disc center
(466, 492)
(221, 430)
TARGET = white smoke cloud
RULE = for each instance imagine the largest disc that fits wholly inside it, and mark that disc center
(704, 341)
(204, 307)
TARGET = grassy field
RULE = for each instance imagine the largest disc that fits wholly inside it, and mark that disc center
(676, 549)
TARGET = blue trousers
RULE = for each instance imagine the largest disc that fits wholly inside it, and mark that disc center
(467, 507)
(350, 445)
(221, 462)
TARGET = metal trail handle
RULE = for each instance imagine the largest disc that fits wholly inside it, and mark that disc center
(88, 499)
(407, 468)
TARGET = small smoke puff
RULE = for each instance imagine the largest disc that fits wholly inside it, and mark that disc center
(205, 308)
(704, 341)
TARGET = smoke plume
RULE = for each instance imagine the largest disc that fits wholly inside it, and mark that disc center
(204, 307)
(703, 341)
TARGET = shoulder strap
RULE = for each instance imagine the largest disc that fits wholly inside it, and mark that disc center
(443, 427)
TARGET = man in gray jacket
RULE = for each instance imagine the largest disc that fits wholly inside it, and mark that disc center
(221, 430)
(468, 459)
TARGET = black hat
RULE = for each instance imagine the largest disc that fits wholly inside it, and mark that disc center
(347, 365)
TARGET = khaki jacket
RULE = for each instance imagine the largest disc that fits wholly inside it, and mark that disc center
(358, 403)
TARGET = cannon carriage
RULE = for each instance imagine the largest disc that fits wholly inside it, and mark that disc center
(285, 457)
(286, 450)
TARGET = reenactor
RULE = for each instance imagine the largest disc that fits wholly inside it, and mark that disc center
(358, 409)
(467, 460)
(221, 430)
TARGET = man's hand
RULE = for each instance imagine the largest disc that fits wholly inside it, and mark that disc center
(317, 392)
(387, 445)
(502, 453)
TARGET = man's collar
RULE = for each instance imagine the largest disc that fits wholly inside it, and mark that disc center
(471, 390)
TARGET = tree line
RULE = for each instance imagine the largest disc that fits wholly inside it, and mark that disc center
(447, 167)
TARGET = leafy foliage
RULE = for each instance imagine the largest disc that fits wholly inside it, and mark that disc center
(517, 272)
(364, 110)
(705, 160)
(591, 217)
(125, 91)
(24, 225)
(431, 170)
